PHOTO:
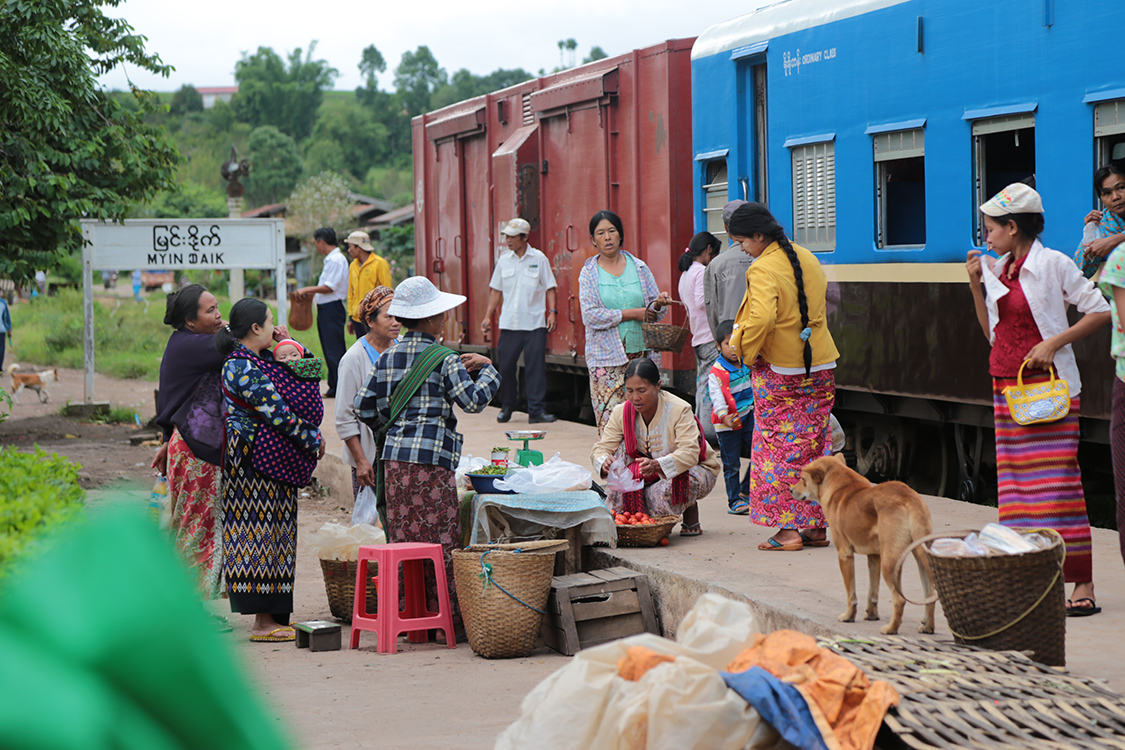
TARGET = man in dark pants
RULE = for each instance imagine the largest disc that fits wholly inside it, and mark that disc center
(523, 287)
(331, 294)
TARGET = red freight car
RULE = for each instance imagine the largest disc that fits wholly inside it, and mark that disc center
(614, 134)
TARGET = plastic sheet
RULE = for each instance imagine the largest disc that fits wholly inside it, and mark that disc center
(620, 478)
(335, 541)
(555, 475)
(365, 510)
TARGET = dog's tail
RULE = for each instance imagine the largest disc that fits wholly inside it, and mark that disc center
(12, 368)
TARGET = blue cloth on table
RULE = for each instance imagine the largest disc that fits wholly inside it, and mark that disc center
(780, 704)
(561, 510)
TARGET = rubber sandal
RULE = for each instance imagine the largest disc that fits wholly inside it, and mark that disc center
(274, 637)
(810, 542)
(221, 623)
(1073, 610)
(772, 545)
(740, 508)
(690, 530)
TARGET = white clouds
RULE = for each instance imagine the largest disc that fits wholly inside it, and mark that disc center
(204, 39)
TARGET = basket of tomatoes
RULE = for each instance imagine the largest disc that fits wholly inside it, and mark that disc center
(642, 530)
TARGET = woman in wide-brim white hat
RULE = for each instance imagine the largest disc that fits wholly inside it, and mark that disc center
(421, 446)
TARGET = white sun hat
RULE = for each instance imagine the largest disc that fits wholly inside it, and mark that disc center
(417, 298)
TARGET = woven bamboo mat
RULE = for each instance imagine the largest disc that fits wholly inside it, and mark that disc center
(963, 697)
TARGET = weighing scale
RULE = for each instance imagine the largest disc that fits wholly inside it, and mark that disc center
(525, 456)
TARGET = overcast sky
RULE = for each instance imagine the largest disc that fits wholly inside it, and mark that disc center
(204, 39)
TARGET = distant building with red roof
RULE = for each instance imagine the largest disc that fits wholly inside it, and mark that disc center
(212, 94)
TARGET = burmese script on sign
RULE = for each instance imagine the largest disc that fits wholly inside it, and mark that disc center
(186, 243)
(793, 61)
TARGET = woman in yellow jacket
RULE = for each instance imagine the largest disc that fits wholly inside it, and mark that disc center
(782, 335)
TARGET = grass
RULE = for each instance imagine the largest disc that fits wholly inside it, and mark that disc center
(129, 336)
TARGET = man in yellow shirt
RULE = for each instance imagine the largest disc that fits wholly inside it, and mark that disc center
(367, 271)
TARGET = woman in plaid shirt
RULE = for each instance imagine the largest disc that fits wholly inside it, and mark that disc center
(422, 445)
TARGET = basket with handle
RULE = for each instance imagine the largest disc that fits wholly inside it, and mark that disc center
(664, 337)
(1002, 602)
(339, 584)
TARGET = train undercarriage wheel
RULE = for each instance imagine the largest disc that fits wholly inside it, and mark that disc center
(969, 442)
(918, 453)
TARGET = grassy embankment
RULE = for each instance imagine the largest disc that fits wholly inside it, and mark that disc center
(129, 336)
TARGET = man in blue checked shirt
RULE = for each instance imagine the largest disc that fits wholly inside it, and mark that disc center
(422, 446)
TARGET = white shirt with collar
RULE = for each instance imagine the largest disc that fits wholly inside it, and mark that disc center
(335, 276)
(524, 283)
(1051, 282)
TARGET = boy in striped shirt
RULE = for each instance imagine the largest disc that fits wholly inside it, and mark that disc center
(732, 399)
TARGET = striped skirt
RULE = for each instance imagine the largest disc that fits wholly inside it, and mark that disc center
(790, 430)
(1038, 481)
(197, 516)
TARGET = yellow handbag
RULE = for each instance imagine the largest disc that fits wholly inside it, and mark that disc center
(1039, 402)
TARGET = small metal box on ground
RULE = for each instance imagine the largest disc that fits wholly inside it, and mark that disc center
(318, 635)
(587, 609)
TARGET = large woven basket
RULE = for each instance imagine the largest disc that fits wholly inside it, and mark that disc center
(339, 584)
(660, 337)
(646, 535)
(503, 612)
(1005, 602)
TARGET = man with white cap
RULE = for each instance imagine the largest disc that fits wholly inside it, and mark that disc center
(523, 287)
(408, 403)
(724, 281)
(366, 271)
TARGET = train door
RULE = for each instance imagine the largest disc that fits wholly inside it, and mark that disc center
(574, 185)
(752, 162)
(448, 254)
(475, 247)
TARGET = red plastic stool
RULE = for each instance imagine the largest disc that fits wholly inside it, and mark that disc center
(414, 618)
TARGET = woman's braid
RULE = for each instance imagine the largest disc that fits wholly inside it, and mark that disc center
(778, 235)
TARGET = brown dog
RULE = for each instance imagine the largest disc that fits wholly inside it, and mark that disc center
(877, 520)
(36, 381)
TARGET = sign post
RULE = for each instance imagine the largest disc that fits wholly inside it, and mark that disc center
(177, 244)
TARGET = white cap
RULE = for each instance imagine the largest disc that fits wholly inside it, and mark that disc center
(516, 227)
(360, 238)
(1017, 198)
(417, 298)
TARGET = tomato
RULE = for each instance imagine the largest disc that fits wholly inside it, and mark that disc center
(664, 542)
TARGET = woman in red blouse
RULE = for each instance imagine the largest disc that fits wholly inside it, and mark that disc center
(1021, 300)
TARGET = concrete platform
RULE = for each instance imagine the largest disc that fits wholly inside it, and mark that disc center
(799, 590)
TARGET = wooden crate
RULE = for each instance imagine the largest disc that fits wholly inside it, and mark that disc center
(587, 609)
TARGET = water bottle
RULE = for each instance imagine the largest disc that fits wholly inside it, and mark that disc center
(158, 499)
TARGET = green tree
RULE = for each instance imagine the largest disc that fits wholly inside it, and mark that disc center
(188, 200)
(325, 156)
(596, 53)
(362, 140)
(68, 149)
(270, 93)
(417, 77)
(275, 166)
(187, 99)
(371, 63)
(464, 85)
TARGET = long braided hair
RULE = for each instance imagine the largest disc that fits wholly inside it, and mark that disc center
(754, 218)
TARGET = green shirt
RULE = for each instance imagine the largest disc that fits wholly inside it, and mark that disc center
(1113, 275)
(624, 292)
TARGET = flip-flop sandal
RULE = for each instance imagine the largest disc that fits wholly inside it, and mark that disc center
(1074, 610)
(277, 635)
(810, 542)
(772, 545)
(221, 623)
(740, 508)
(691, 530)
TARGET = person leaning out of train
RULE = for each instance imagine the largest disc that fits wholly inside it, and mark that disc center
(1021, 301)
(1104, 230)
(781, 333)
(616, 292)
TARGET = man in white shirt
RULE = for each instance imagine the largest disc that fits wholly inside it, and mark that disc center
(523, 287)
(330, 294)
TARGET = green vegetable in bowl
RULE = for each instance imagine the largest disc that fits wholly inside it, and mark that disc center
(490, 470)
(502, 449)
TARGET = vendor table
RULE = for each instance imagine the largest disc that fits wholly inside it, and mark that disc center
(582, 515)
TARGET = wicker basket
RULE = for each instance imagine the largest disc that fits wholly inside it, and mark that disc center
(646, 535)
(664, 337)
(339, 583)
(1005, 602)
(498, 626)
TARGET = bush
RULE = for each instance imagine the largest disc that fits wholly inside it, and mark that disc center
(37, 493)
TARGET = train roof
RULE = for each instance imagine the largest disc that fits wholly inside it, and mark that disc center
(778, 19)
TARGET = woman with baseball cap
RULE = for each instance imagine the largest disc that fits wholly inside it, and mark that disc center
(1021, 300)
(408, 403)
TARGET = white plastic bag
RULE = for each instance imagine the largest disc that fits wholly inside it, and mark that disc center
(464, 466)
(1005, 540)
(335, 541)
(970, 546)
(554, 476)
(620, 478)
(365, 510)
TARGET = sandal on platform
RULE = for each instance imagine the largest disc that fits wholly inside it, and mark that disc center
(772, 545)
(810, 542)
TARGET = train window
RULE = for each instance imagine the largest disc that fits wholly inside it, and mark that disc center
(1003, 153)
(1109, 130)
(715, 196)
(900, 185)
(814, 196)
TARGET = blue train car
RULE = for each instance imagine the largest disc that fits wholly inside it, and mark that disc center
(873, 129)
